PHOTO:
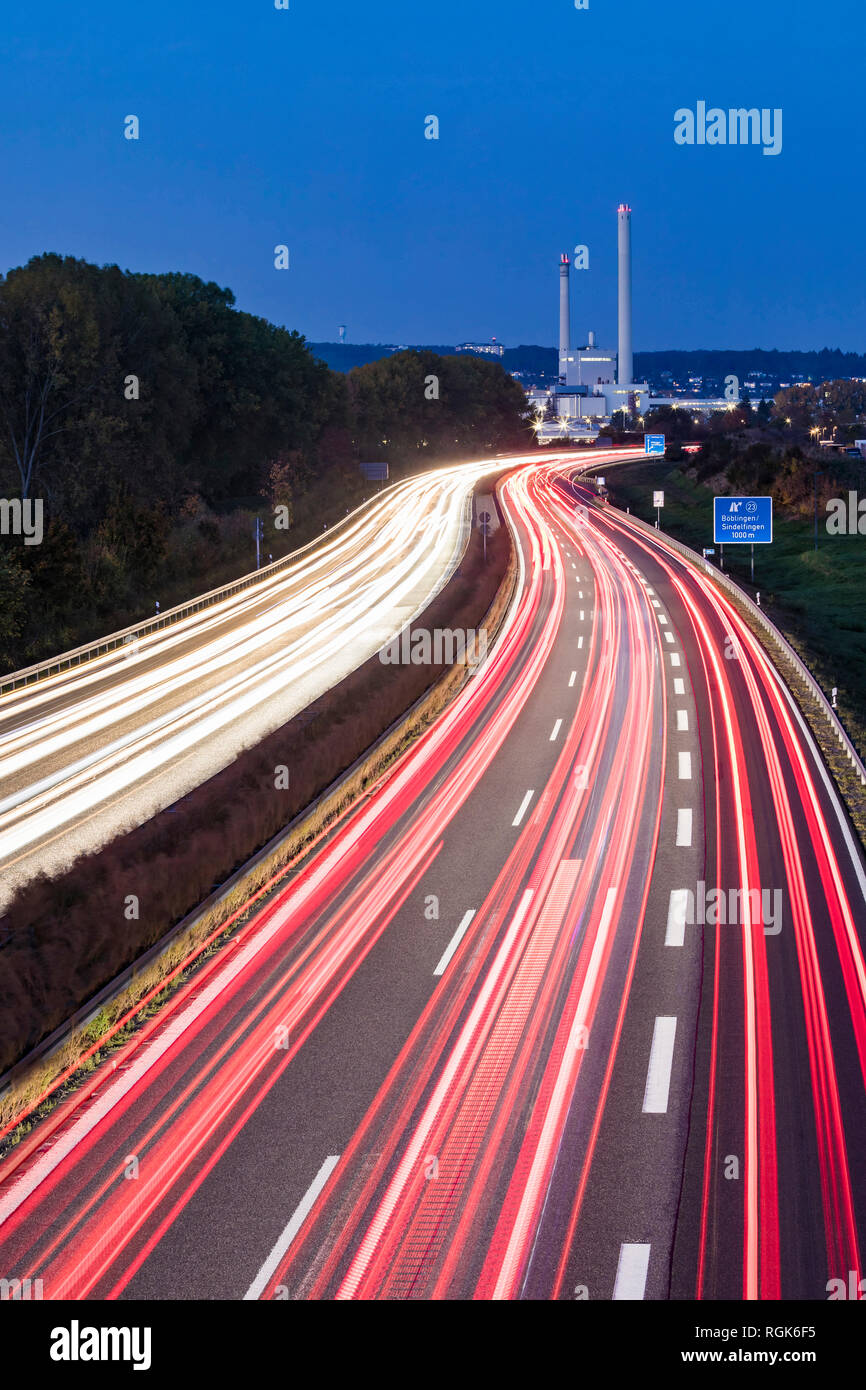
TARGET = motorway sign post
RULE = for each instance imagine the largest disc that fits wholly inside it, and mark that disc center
(484, 518)
(654, 444)
(743, 521)
(658, 503)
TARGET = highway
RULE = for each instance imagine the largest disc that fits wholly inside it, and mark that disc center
(490, 1041)
(98, 748)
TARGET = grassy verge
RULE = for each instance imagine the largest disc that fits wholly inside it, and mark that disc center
(816, 598)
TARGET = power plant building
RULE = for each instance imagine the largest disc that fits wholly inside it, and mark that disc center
(595, 382)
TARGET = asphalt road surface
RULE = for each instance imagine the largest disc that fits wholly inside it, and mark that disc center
(97, 749)
(574, 1005)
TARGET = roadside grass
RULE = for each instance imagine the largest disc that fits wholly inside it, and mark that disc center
(816, 598)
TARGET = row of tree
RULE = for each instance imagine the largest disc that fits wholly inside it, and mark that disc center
(153, 419)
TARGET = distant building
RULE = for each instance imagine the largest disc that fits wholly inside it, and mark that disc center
(491, 349)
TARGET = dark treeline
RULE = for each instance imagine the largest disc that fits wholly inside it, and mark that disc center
(155, 421)
(717, 363)
(714, 363)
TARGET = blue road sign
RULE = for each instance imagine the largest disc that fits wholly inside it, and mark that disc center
(654, 444)
(743, 520)
(375, 472)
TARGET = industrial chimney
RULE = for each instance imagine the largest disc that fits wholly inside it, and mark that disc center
(564, 307)
(625, 365)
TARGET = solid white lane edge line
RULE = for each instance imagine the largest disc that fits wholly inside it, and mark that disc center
(302, 1210)
(658, 1077)
(454, 942)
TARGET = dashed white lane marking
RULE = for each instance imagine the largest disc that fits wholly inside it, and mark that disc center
(684, 827)
(675, 658)
(658, 1077)
(675, 934)
(656, 603)
(679, 686)
(579, 643)
(662, 619)
(685, 766)
(523, 805)
(454, 942)
(631, 1273)
(669, 637)
(556, 728)
(682, 721)
(582, 614)
(299, 1216)
(572, 678)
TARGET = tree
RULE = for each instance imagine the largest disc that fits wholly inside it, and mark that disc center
(418, 405)
(259, 390)
(14, 584)
(795, 405)
(671, 421)
(52, 355)
(72, 335)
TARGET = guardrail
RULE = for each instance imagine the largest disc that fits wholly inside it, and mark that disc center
(79, 656)
(778, 638)
(223, 893)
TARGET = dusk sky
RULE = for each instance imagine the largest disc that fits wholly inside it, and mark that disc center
(306, 127)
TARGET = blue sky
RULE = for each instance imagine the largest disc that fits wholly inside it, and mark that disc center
(306, 127)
